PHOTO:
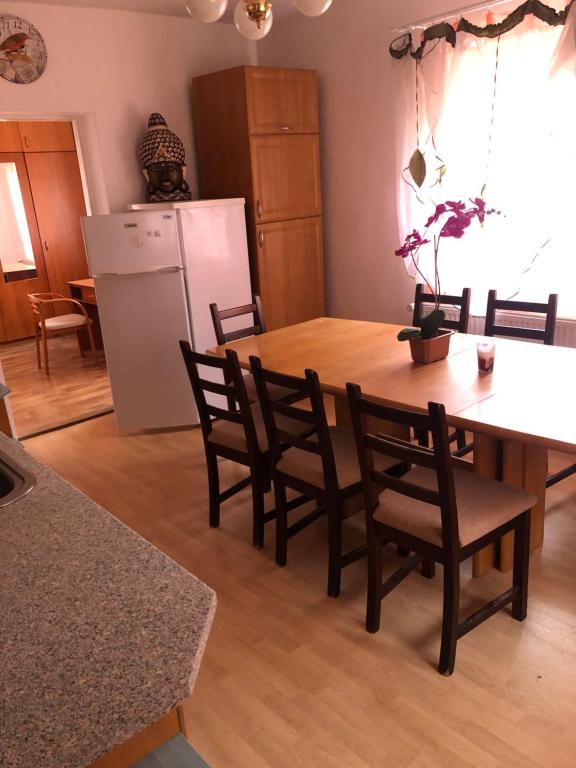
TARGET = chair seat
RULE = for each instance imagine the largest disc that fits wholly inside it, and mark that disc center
(276, 392)
(231, 435)
(307, 467)
(64, 322)
(483, 505)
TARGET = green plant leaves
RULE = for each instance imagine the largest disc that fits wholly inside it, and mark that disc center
(417, 167)
(409, 333)
(430, 324)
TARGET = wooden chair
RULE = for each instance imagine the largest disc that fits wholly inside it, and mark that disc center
(46, 325)
(548, 310)
(323, 467)
(257, 327)
(235, 432)
(435, 511)
(421, 298)
(546, 335)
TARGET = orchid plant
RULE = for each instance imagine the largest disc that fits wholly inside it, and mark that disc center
(453, 219)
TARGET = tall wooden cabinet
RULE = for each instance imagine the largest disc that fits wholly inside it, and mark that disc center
(256, 134)
(43, 200)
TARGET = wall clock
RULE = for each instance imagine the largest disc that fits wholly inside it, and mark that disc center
(23, 52)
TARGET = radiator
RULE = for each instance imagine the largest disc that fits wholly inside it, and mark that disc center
(565, 335)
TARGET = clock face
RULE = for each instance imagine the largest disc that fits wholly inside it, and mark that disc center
(23, 53)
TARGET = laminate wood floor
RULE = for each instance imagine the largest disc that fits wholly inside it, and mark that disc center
(76, 388)
(290, 677)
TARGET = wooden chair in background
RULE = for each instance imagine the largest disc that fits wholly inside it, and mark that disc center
(323, 467)
(47, 324)
(436, 512)
(422, 299)
(257, 327)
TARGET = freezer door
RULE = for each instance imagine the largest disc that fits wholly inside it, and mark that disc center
(128, 243)
(143, 317)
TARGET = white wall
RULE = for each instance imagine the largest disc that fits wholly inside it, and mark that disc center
(365, 279)
(111, 69)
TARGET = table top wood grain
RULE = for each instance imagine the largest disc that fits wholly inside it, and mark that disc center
(528, 396)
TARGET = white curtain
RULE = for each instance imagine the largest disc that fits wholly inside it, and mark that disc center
(518, 147)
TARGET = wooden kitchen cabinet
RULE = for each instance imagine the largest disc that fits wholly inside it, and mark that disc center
(281, 100)
(256, 136)
(46, 136)
(59, 202)
(286, 177)
(9, 137)
(290, 266)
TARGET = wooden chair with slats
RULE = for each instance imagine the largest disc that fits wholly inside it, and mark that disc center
(423, 299)
(258, 326)
(322, 467)
(462, 303)
(435, 511)
(46, 324)
(497, 327)
(234, 430)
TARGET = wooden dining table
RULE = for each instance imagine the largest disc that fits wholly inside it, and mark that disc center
(516, 413)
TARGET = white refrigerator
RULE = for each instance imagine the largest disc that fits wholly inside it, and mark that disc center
(156, 270)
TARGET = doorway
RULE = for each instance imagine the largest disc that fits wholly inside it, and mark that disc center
(42, 253)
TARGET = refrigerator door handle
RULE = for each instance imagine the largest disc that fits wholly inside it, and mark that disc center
(149, 271)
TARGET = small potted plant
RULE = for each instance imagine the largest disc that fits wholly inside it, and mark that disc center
(427, 342)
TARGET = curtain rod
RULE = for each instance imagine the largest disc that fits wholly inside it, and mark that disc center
(451, 15)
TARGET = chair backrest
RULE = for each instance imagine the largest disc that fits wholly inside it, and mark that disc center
(41, 301)
(238, 410)
(462, 302)
(254, 309)
(436, 458)
(307, 389)
(545, 334)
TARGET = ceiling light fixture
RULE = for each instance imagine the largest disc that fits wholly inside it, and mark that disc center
(253, 18)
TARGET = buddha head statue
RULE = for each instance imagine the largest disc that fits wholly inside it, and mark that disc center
(163, 163)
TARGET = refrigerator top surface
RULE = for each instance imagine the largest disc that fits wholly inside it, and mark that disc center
(184, 205)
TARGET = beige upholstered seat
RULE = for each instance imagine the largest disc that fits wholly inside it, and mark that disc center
(231, 435)
(64, 322)
(483, 505)
(308, 467)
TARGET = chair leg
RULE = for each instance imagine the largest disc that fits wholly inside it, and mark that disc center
(521, 566)
(428, 569)
(460, 439)
(281, 523)
(45, 345)
(38, 356)
(213, 489)
(258, 486)
(334, 551)
(92, 344)
(374, 597)
(79, 339)
(450, 618)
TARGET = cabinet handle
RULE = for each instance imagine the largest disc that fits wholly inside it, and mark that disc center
(27, 142)
(286, 128)
(258, 208)
(45, 245)
(261, 238)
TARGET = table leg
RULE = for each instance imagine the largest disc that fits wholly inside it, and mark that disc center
(487, 464)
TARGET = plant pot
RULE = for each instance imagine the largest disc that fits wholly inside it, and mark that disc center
(430, 350)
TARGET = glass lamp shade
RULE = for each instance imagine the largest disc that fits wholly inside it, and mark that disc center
(206, 10)
(247, 27)
(312, 7)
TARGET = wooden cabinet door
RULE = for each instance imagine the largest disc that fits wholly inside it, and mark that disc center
(17, 215)
(286, 177)
(59, 203)
(47, 136)
(291, 271)
(281, 100)
(9, 137)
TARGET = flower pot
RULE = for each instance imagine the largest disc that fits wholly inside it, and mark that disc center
(430, 350)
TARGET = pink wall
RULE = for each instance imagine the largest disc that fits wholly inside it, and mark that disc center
(110, 69)
(364, 278)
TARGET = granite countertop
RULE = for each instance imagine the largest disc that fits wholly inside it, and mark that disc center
(101, 634)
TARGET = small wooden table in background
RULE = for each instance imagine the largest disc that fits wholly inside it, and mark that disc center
(85, 292)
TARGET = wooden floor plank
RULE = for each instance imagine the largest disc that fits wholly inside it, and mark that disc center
(291, 678)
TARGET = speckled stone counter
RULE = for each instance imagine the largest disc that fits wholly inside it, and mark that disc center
(101, 633)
